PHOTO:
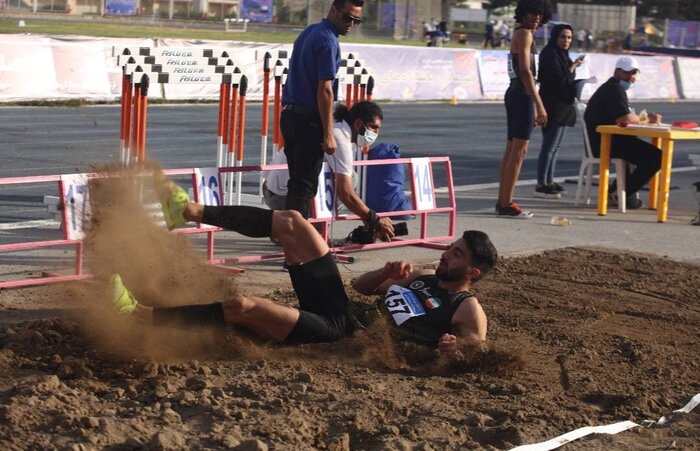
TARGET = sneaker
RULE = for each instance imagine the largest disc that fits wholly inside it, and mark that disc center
(513, 211)
(173, 200)
(124, 301)
(547, 191)
(633, 202)
(558, 188)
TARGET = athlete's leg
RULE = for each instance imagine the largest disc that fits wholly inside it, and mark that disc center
(512, 162)
(299, 239)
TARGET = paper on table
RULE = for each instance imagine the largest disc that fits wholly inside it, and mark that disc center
(660, 126)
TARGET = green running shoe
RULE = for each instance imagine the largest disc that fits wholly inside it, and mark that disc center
(173, 200)
(124, 301)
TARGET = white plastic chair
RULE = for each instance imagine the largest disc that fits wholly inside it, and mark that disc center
(587, 163)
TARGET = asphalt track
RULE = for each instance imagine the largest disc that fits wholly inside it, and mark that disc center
(60, 140)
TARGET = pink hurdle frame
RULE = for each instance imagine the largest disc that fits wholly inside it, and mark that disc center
(424, 240)
(78, 265)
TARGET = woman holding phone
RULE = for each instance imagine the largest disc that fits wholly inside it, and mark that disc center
(557, 74)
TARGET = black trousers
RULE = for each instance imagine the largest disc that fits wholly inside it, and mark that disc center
(645, 156)
(303, 135)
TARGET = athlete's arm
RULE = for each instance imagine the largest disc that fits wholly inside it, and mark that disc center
(468, 325)
(393, 273)
(469, 321)
(324, 96)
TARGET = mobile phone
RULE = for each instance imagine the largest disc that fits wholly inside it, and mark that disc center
(400, 229)
(582, 57)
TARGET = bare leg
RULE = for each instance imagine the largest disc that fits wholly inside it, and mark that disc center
(512, 162)
(260, 315)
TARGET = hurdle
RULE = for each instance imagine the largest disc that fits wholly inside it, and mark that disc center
(423, 199)
(143, 65)
(192, 63)
(73, 203)
(281, 69)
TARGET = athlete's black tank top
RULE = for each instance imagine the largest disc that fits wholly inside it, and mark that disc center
(514, 63)
(424, 310)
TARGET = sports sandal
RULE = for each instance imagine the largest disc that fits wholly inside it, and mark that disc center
(123, 301)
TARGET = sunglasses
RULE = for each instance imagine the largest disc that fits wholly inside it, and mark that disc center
(347, 17)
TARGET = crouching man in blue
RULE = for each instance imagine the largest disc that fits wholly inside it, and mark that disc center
(430, 307)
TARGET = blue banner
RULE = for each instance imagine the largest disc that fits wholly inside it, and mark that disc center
(259, 11)
(682, 33)
(120, 7)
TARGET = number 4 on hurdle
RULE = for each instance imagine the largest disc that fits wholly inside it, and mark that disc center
(422, 184)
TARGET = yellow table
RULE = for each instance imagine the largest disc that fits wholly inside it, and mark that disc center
(662, 137)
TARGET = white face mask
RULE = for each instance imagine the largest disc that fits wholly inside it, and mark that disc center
(367, 138)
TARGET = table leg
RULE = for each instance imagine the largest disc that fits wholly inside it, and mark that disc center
(604, 178)
(654, 181)
(665, 183)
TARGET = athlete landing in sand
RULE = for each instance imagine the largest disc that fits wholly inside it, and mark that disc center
(429, 307)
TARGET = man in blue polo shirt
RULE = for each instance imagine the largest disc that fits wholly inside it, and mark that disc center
(307, 117)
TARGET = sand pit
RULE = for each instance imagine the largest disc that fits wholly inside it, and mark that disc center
(577, 337)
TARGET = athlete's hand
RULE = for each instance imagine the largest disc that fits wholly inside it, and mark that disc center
(328, 144)
(397, 270)
(385, 231)
(447, 347)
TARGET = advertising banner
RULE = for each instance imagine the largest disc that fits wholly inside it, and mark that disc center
(493, 72)
(121, 7)
(259, 11)
(420, 73)
(656, 79)
(36, 67)
(243, 55)
(688, 68)
(681, 33)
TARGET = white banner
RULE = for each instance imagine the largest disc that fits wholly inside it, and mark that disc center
(420, 73)
(688, 68)
(36, 68)
(243, 55)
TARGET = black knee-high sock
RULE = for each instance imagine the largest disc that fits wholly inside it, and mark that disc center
(190, 315)
(249, 221)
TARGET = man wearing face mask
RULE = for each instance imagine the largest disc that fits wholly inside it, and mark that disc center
(359, 126)
(609, 106)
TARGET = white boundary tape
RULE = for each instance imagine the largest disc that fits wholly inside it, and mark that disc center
(610, 429)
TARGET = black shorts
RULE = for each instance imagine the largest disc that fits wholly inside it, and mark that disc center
(520, 112)
(323, 303)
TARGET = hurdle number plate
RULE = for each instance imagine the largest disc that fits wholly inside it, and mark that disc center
(209, 190)
(423, 192)
(323, 202)
(76, 199)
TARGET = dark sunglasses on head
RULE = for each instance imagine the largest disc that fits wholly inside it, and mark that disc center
(347, 17)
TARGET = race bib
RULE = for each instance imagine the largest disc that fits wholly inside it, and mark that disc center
(511, 69)
(403, 304)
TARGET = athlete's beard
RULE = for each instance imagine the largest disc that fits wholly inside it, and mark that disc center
(452, 275)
